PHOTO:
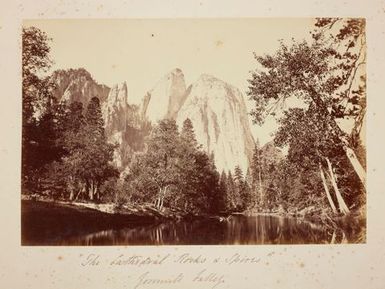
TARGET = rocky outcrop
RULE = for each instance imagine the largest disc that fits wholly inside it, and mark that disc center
(77, 85)
(115, 109)
(219, 116)
(166, 98)
(122, 120)
(123, 124)
(216, 109)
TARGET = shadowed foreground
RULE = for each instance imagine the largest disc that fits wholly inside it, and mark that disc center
(56, 224)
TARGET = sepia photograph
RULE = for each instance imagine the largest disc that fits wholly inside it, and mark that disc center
(228, 131)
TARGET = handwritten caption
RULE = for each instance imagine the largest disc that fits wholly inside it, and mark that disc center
(148, 277)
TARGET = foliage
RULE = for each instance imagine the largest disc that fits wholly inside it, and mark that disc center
(327, 75)
(310, 142)
(38, 136)
(174, 170)
(86, 164)
(35, 61)
(327, 72)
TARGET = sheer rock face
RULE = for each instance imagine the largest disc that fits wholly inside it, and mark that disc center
(219, 116)
(77, 85)
(115, 111)
(216, 109)
(166, 98)
(122, 124)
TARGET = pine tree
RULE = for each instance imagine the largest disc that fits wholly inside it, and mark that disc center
(224, 199)
(189, 178)
(257, 173)
(256, 164)
(85, 164)
(238, 175)
(249, 178)
(98, 153)
(155, 173)
(94, 119)
(188, 135)
(211, 185)
(231, 190)
(242, 194)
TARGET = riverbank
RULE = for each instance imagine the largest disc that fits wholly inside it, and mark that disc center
(108, 209)
(59, 223)
(353, 222)
(48, 222)
(38, 215)
(125, 211)
(355, 219)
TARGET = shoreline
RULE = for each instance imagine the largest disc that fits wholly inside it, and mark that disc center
(59, 221)
(147, 211)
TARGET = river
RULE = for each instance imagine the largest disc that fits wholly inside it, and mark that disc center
(60, 226)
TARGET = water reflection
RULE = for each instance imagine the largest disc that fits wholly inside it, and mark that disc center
(234, 230)
(51, 224)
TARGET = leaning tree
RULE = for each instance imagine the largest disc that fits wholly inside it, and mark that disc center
(327, 72)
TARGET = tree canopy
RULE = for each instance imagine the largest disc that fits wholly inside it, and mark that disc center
(322, 75)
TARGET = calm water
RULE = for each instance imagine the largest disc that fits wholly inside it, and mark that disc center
(57, 228)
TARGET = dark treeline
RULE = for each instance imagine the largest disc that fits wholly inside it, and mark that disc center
(65, 153)
(175, 172)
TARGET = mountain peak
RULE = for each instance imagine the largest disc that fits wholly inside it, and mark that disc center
(72, 73)
(122, 86)
(216, 109)
(209, 78)
(219, 116)
(118, 93)
(176, 71)
(77, 85)
(166, 97)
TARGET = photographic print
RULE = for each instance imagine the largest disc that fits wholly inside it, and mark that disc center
(193, 131)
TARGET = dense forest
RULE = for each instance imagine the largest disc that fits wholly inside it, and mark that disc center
(66, 154)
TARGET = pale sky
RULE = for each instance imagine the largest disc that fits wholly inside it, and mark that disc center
(141, 52)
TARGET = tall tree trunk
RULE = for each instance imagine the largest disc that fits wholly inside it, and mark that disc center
(161, 204)
(341, 203)
(91, 190)
(162, 198)
(331, 203)
(260, 188)
(96, 191)
(163, 194)
(72, 194)
(86, 188)
(333, 240)
(157, 201)
(81, 190)
(358, 168)
(350, 154)
(71, 187)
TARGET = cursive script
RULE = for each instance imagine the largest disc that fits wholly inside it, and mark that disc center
(138, 260)
(147, 279)
(209, 277)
